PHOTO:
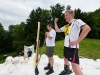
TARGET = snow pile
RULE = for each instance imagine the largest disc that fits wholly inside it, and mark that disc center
(19, 66)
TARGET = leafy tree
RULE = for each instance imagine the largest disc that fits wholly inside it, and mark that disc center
(22, 34)
(78, 13)
(32, 25)
(68, 7)
(18, 35)
(2, 38)
(18, 32)
(57, 12)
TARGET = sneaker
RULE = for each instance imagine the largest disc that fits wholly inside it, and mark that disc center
(47, 67)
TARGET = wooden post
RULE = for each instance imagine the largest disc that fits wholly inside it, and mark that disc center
(37, 45)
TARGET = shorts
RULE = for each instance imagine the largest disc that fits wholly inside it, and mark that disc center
(71, 54)
(49, 51)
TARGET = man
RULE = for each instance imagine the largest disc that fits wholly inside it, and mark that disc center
(21, 53)
(29, 53)
(72, 39)
(50, 43)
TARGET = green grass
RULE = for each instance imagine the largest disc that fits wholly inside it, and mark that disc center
(58, 50)
(2, 61)
(9, 54)
(89, 48)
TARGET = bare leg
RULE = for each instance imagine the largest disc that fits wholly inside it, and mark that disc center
(51, 61)
(76, 69)
(66, 62)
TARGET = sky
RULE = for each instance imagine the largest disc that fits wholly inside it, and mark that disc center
(17, 11)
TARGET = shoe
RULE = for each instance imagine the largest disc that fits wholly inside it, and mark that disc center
(65, 72)
(69, 72)
(47, 67)
(50, 71)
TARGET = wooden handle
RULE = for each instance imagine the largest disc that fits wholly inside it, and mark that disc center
(37, 46)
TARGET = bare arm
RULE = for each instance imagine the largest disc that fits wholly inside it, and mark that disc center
(48, 35)
(85, 31)
(56, 26)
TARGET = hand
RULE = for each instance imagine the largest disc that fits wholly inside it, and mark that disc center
(73, 43)
(46, 33)
(55, 20)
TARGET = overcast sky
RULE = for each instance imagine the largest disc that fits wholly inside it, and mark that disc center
(16, 11)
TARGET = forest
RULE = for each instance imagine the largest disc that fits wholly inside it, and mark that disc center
(25, 33)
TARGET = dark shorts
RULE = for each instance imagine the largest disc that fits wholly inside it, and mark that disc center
(49, 51)
(71, 54)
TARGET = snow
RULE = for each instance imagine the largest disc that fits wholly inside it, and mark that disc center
(19, 66)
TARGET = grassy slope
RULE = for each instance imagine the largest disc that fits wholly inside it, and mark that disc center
(89, 48)
(9, 54)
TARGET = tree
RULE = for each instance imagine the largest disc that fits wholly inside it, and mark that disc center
(26, 33)
(2, 38)
(68, 7)
(18, 32)
(57, 12)
(78, 13)
(18, 36)
(32, 25)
